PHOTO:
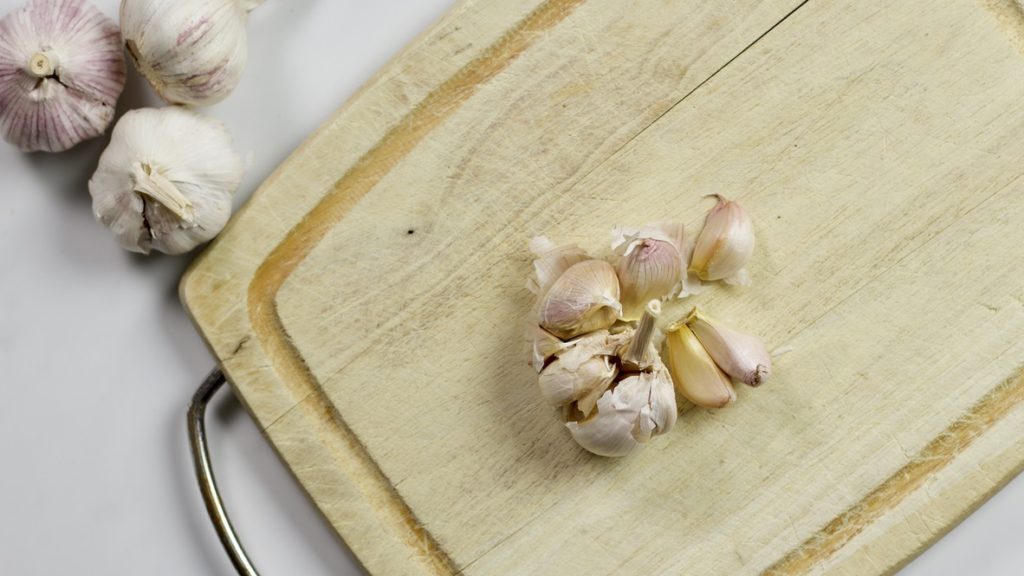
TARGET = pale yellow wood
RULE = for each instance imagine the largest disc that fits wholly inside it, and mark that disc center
(877, 146)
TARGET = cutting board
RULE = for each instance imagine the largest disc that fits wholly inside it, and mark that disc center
(368, 303)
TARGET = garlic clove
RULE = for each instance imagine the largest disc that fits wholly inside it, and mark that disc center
(650, 265)
(61, 73)
(190, 51)
(166, 180)
(694, 372)
(551, 262)
(725, 244)
(583, 299)
(640, 406)
(561, 383)
(741, 356)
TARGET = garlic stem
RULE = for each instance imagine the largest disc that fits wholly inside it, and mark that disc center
(636, 354)
(155, 185)
(42, 64)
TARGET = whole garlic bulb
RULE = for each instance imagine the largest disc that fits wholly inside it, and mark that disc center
(61, 72)
(191, 51)
(166, 180)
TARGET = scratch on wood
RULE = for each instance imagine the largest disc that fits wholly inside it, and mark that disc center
(934, 457)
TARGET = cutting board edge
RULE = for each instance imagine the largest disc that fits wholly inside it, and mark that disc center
(189, 287)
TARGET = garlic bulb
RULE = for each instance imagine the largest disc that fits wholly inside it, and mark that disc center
(191, 51)
(650, 265)
(165, 181)
(724, 245)
(583, 299)
(640, 406)
(61, 72)
(741, 356)
(694, 372)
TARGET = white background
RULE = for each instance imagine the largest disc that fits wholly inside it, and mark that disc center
(99, 360)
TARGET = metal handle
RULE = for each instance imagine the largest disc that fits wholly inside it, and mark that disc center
(204, 473)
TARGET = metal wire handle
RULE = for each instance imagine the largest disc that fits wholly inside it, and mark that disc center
(204, 473)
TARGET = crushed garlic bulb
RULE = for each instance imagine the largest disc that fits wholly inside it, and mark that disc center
(583, 299)
(191, 51)
(724, 245)
(166, 180)
(650, 265)
(61, 73)
(694, 372)
(741, 356)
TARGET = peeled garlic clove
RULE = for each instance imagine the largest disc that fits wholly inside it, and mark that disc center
(61, 72)
(191, 51)
(561, 383)
(638, 407)
(650, 265)
(551, 262)
(725, 244)
(695, 374)
(742, 356)
(166, 180)
(583, 299)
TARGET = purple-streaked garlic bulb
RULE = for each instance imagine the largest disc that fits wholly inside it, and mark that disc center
(166, 180)
(191, 51)
(61, 73)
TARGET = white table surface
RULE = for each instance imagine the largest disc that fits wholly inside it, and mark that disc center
(99, 359)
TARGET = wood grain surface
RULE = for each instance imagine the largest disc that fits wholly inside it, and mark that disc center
(368, 303)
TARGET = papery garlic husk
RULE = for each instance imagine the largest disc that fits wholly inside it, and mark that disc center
(191, 51)
(544, 345)
(742, 356)
(724, 245)
(694, 372)
(61, 72)
(166, 180)
(583, 299)
(584, 369)
(640, 406)
(552, 260)
(561, 383)
(650, 265)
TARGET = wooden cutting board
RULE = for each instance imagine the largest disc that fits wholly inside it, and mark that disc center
(368, 303)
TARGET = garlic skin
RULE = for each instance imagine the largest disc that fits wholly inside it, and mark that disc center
(650, 265)
(639, 407)
(166, 180)
(551, 262)
(561, 382)
(61, 73)
(724, 245)
(191, 51)
(694, 372)
(544, 346)
(583, 299)
(741, 356)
